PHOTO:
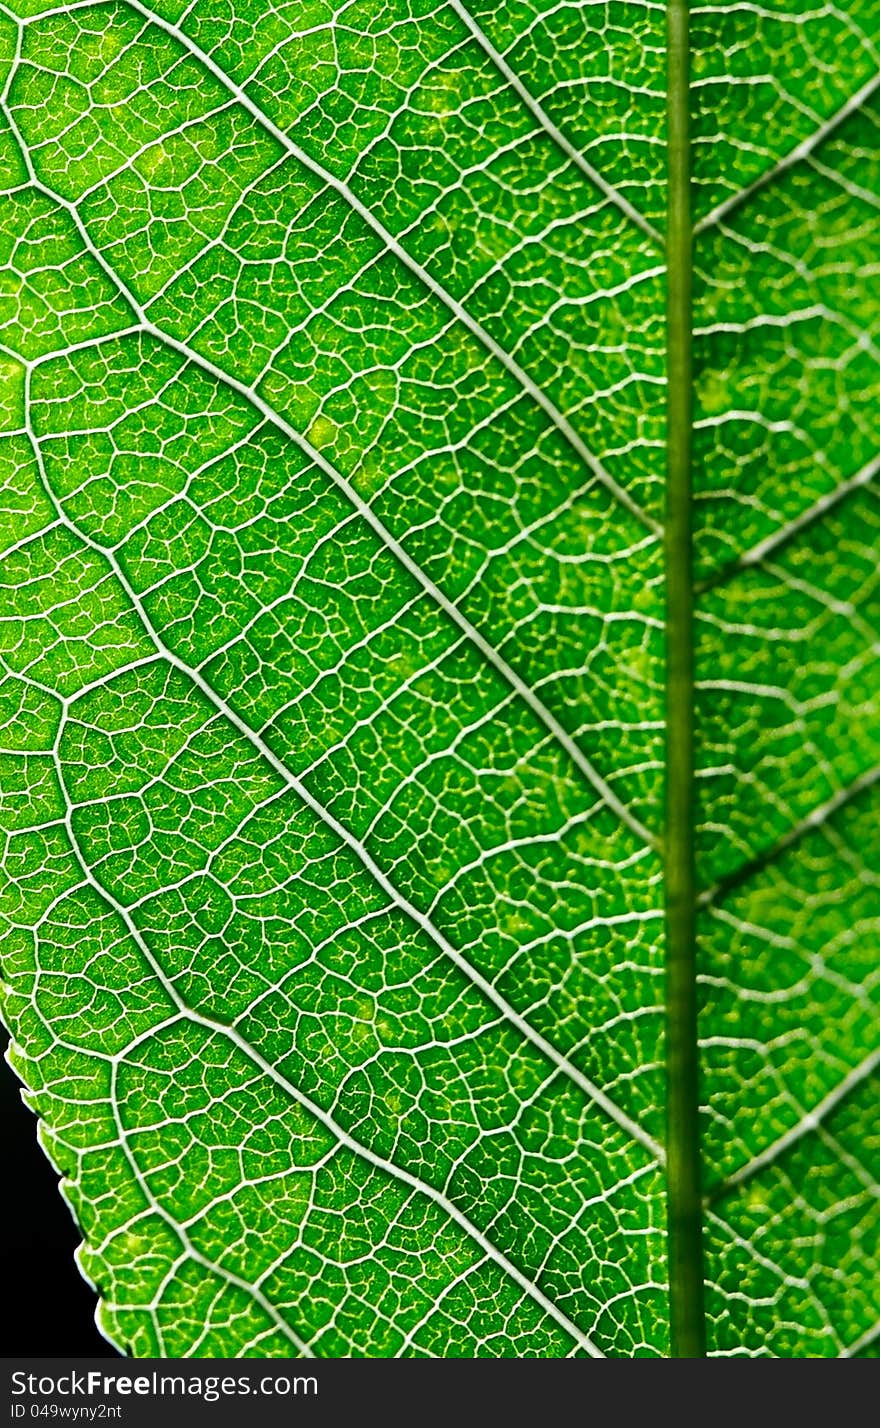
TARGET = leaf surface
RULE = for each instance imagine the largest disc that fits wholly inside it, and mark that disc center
(334, 694)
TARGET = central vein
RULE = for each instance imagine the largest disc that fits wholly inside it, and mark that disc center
(682, 1104)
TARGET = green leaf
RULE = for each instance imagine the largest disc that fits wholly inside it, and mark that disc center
(374, 844)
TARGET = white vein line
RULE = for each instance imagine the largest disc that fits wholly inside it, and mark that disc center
(819, 508)
(863, 1342)
(214, 1267)
(786, 1279)
(538, 112)
(538, 708)
(559, 420)
(472, 633)
(568, 1068)
(391, 891)
(450, 609)
(808, 1123)
(813, 820)
(797, 154)
(562, 1062)
(342, 1136)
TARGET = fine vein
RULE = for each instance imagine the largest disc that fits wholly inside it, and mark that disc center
(528, 385)
(808, 1123)
(324, 1117)
(588, 1087)
(449, 607)
(555, 133)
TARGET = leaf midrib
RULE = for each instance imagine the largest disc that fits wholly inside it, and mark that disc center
(683, 1170)
(678, 259)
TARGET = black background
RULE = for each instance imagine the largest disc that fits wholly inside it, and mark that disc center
(48, 1307)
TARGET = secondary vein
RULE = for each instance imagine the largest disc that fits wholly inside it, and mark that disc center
(809, 1122)
(357, 1148)
(363, 508)
(416, 915)
(477, 330)
(537, 110)
(795, 156)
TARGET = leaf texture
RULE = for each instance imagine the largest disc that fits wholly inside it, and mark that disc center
(333, 694)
